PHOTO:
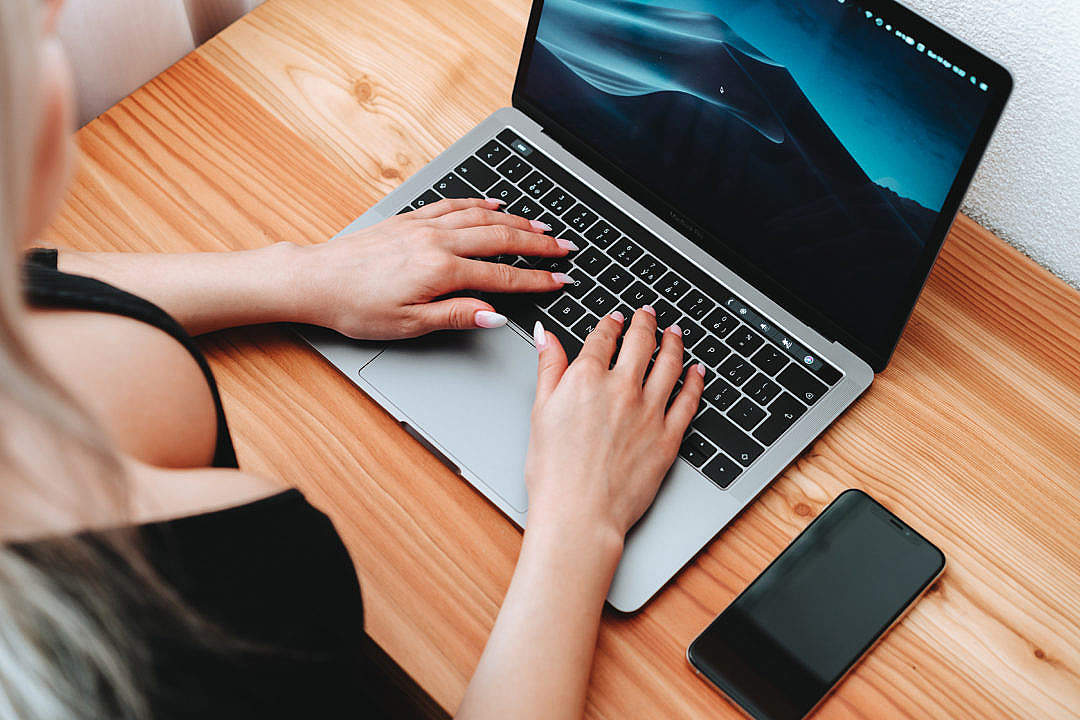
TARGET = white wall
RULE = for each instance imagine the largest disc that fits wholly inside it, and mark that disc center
(1027, 189)
(117, 45)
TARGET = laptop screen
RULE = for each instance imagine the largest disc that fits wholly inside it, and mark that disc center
(815, 140)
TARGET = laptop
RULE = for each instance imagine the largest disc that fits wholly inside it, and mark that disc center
(776, 177)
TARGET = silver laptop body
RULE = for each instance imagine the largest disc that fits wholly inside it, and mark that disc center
(468, 394)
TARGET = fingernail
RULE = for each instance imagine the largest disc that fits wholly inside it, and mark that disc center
(675, 329)
(537, 225)
(566, 244)
(618, 315)
(700, 369)
(488, 319)
(539, 336)
(562, 278)
(649, 309)
(496, 201)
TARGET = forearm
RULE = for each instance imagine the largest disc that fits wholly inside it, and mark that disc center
(203, 291)
(537, 661)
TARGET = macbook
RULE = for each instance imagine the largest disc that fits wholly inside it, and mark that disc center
(775, 177)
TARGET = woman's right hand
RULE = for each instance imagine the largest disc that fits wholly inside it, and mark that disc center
(603, 439)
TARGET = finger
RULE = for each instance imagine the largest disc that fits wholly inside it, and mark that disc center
(500, 239)
(449, 205)
(667, 368)
(600, 343)
(455, 314)
(686, 403)
(638, 344)
(480, 216)
(551, 365)
(503, 278)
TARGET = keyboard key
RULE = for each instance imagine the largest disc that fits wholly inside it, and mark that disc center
(493, 153)
(476, 173)
(625, 250)
(537, 185)
(745, 341)
(722, 470)
(801, 384)
(746, 414)
(426, 198)
(711, 350)
(557, 226)
(769, 359)
(515, 143)
(526, 207)
(515, 169)
(602, 234)
(720, 323)
(829, 374)
(581, 286)
(600, 301)
(736, 370)
(524, 313)
(696, 305)
(404, 210)
(555, 265)
(615, 278)
(504, 191)
(581, 218)
(592, 261)
(648, 268)
(567, 311)
(784, 411)
(452, 186)
(558, 201)
(637, 295)
(691, 332)
(728, 437)
(585, 325)
(672, 286)
(720, 394)
(696, 449)
(666, 314)
(761, 389)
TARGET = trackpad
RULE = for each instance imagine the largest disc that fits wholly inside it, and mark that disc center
(471, 393)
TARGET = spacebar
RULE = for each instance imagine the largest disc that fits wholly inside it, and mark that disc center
(525, 313)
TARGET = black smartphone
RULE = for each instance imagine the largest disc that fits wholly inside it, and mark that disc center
(779, 648)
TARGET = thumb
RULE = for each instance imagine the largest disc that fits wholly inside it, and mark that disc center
(552, 363)
(458, 314)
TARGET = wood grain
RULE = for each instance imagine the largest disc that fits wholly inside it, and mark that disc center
(294, 120)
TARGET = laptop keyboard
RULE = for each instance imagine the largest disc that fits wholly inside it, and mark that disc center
(758, 381)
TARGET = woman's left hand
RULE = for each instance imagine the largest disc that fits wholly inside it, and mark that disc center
(385, 282)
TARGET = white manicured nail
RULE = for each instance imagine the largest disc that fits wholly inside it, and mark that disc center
(539, 336)
(488, 319)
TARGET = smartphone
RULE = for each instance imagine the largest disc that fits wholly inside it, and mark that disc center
(781, 646)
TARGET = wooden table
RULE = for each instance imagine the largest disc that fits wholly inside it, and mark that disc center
(299, 117)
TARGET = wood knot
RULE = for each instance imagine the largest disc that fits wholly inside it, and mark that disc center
(802, 509)
(1040, 654)
(363, 91)
(390, 173)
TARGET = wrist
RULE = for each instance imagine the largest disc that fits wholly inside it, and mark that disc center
(589, 538)
(285, 281)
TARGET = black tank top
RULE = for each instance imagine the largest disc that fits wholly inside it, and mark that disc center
(272, 575)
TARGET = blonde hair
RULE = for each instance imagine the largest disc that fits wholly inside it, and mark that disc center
(64, 648)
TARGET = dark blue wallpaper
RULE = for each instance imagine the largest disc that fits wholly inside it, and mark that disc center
(813, 142)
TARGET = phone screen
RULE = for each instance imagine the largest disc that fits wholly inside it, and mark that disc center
(797, 629)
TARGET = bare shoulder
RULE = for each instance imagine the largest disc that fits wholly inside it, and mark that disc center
(137, 380)
(162, 494)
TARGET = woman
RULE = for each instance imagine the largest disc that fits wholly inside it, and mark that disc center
(143, 575)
